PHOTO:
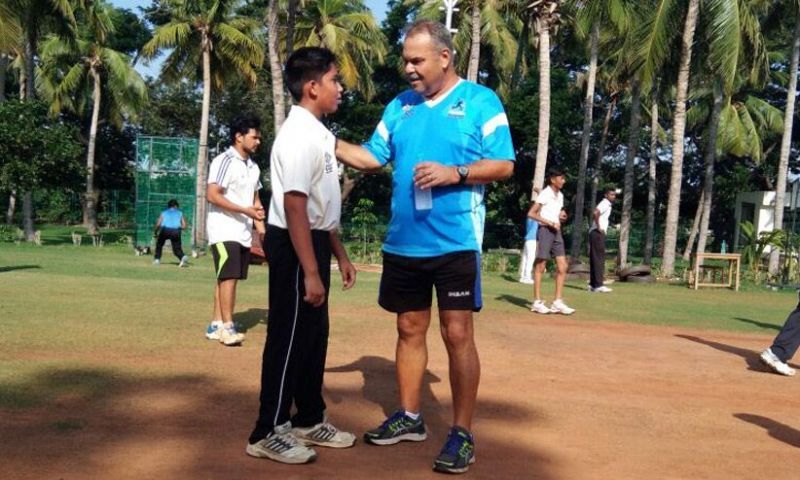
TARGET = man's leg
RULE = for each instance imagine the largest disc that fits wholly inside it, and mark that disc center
(538, 270)
(412, 356)
(465, 369)
(160, 244)
(226, 290)
(787, 341)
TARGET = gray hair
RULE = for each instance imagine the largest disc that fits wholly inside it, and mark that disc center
(438, 33)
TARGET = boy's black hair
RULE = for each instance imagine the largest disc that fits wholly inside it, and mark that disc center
(554, 172)
(242, 123)
(172, 203)
(610, 188)
(306, 64)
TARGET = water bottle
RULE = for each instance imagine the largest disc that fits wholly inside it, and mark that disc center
(422, 198)
(723, 248)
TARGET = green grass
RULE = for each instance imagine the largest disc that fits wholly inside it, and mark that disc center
(58, 302)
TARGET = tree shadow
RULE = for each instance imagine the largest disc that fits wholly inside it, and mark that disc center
(503, 459)
(246, 320)
(514, 300)
(776, 430)
(11, 268)
(764, 325)
(749, 356)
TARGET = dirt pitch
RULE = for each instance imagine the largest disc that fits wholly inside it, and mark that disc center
(560, 398)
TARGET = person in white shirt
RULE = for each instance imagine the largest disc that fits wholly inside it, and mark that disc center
(550, 243)
(597, 240)
(234, 210)
(301, 237)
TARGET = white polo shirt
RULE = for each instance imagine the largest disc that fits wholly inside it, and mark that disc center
(240, 178)
(551, 204)
(303, 160)
(602, 221)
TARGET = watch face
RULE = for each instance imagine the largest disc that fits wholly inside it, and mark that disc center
(463, 171)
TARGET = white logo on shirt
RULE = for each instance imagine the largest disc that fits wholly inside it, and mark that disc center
(328, 162)
(465, 293)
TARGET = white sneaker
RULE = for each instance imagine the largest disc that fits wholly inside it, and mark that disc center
(156, 262)
(774, 363)
(184, 262)
(559, 306)
(281, 446)
(213, 331)
(325, 435)
(526, 281)
(229, 337)
(539, 307)
(602, 289)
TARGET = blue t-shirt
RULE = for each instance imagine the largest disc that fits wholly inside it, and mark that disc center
(171, 218)
(467, 124)
(531, 227)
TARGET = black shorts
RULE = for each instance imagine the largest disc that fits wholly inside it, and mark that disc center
(550, 244)
(231, 260)
(407, 282)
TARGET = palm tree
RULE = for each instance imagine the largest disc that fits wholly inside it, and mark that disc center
(36, 17)
(545, 16)
(206, 33)
(786, 141)
(70, 70)
(276, 73)
(348, 29)
(591, 16)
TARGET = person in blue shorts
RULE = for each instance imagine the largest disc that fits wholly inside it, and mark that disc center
(168, 227)
(446, 138)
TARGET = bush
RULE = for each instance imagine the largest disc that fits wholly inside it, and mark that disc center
(8, 233)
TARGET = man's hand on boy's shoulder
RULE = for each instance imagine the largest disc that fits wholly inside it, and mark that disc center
(256, 213)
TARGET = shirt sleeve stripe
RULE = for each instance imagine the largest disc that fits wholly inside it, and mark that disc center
(383, 131)
(490, 126)
(223, 169)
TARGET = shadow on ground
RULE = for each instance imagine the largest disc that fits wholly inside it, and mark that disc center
(11, 268)
(776, 430)
(749, 356)
(109, 423)
(764, 325)
(246, 320)
(514, 300)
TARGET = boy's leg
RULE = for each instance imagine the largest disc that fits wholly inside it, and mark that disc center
(175, 240)
(596, 259)
(160, 240)
(227, 299)
(312, 343)
(561, 275)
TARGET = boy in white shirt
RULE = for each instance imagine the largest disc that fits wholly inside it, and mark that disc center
(597, 241)
(550, 243)
(301, 237)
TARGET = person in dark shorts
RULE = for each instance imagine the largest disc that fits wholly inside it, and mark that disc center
(234, 210)
(550, 244)
(446, 138)
(168, 227)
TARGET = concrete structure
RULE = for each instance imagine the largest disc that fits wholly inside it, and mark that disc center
(759, 209)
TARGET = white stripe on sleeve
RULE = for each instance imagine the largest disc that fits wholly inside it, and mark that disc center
(490, 126)
(383, 131)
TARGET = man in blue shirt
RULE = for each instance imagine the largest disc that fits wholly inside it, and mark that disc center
(168, 227)
(446, 138)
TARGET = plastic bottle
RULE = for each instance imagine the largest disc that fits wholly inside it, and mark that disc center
(723, 248)
(423, 200)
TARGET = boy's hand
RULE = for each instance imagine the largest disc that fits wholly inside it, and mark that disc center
(315, 291)
(256, 213)
(348, 272)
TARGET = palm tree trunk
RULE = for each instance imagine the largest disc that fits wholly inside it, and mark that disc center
(786, 143)
(601, 150)
(27, 216)
(679, 128)
(543, 31)
(291, 12)
(475, 46)
(523, 42)
(276, 73)
(687, 252)
(651, 183)
(711, 157)
(12, 206)
(199, 239)
(90, 202)
(3, 70)
(630, 174)
(588, 109)
(30, 55)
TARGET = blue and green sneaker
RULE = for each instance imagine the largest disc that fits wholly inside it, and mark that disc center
(397, 428)
(458, 452)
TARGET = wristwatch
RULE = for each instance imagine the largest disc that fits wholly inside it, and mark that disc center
(463, 172)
